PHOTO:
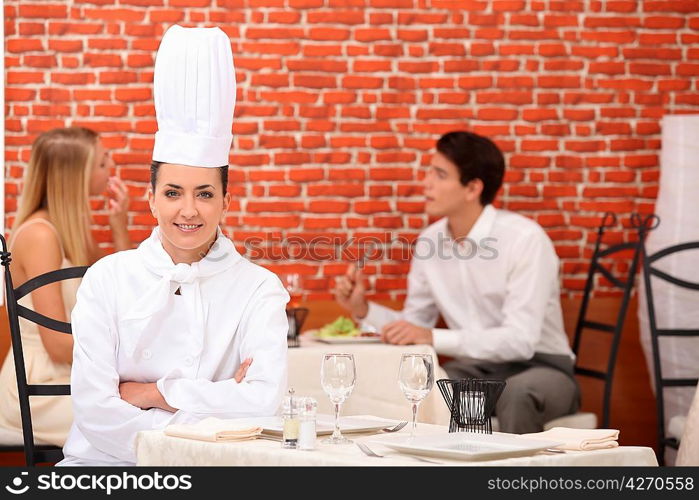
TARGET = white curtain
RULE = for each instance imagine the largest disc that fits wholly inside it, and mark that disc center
(678, 209)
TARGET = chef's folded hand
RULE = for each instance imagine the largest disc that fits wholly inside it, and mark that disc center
(243, 370)
(144, 396)
(405, 333)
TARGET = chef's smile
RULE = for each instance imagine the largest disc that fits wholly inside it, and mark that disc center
(188, 228)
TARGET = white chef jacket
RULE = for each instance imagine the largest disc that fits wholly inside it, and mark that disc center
(130, 325)
(497, 290)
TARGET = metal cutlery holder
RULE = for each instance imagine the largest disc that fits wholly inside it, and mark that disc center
(296, 317)
(471, 402)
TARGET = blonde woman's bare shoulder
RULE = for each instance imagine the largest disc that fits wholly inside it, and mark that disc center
(37, 248)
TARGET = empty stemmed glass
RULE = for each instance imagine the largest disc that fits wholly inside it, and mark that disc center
(416, 378)
(337, 377)
(292, 284)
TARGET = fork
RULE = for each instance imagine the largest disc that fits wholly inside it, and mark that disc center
(396, 427)
(370, 453)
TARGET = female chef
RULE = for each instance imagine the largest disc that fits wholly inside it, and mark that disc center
(183, 327)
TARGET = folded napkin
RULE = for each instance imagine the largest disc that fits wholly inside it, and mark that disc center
(579, 439)
(214, 429)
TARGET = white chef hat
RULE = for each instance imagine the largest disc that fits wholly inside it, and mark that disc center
(194, 91)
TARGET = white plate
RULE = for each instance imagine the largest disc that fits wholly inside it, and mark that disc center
(342, 340)
(272, 426)
(468, 445)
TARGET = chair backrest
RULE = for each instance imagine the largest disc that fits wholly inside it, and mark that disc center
(662, 382)
(625, 284)
(33, 453)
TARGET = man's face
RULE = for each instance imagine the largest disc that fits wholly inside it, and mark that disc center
(189, 204)
(444, 193)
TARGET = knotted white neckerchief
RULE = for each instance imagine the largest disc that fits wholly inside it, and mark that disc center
(139, 323)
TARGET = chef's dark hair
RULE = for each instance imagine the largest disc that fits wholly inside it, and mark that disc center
(476, 157)
(155, 166)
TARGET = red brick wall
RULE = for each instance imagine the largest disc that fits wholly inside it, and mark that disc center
(340, 102)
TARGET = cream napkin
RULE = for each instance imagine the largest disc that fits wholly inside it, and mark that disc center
(214, 429)
(579, 439)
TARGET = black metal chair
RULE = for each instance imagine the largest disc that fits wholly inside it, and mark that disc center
(625, 284)
(662, 382)
(33, 453)
(296, 317)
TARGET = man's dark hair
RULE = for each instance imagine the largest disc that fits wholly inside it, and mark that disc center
(155, 166)
(476, 157)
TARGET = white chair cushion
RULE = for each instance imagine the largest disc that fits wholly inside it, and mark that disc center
(675, 428)
(10, 438)
(580, 420)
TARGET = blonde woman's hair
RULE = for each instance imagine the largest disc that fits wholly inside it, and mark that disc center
(58, 180)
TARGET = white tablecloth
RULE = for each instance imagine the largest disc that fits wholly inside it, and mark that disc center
(689, 444)
(376, 391)
(154, 448)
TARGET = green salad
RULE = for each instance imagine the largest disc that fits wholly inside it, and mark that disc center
(341, 327)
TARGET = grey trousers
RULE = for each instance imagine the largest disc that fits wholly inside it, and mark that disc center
(536, 391)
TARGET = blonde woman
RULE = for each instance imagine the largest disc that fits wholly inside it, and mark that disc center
(52, 231)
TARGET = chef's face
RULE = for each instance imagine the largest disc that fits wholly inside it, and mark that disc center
(189, 204)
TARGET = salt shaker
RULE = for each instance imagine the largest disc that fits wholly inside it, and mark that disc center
(290, 420)
(307, 424)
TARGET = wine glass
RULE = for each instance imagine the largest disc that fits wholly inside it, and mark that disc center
(292, 284)
(416, 378)
(337, 376)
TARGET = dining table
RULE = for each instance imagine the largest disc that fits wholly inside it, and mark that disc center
(155, 448)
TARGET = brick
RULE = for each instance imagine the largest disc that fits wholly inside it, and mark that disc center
(22, 77)
(128, 15)
(650, 69)
(326, 34)
(388, 50)
(43, 10)
(336, 16)
(362, 82)
(317, 206)
(371, 66)
(608, 68)
(133, 94)
(447, 49)
(413, 35)
(379, 18)
(23, 45)
(670, 6)
(504, 97)
(475, 82)
(372, 35)
(28, 29)
(314, 81)
(118, 77)
(325, 65)
(496, 114)
(285, 49)
(257, 63)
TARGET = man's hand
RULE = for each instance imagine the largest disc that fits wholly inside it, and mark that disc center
(405, 333)
(350, 292)
(144, 396)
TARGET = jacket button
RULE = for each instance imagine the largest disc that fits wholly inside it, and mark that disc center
(147, 354)
(188, 361)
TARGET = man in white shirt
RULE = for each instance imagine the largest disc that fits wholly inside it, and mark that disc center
(493, 277)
